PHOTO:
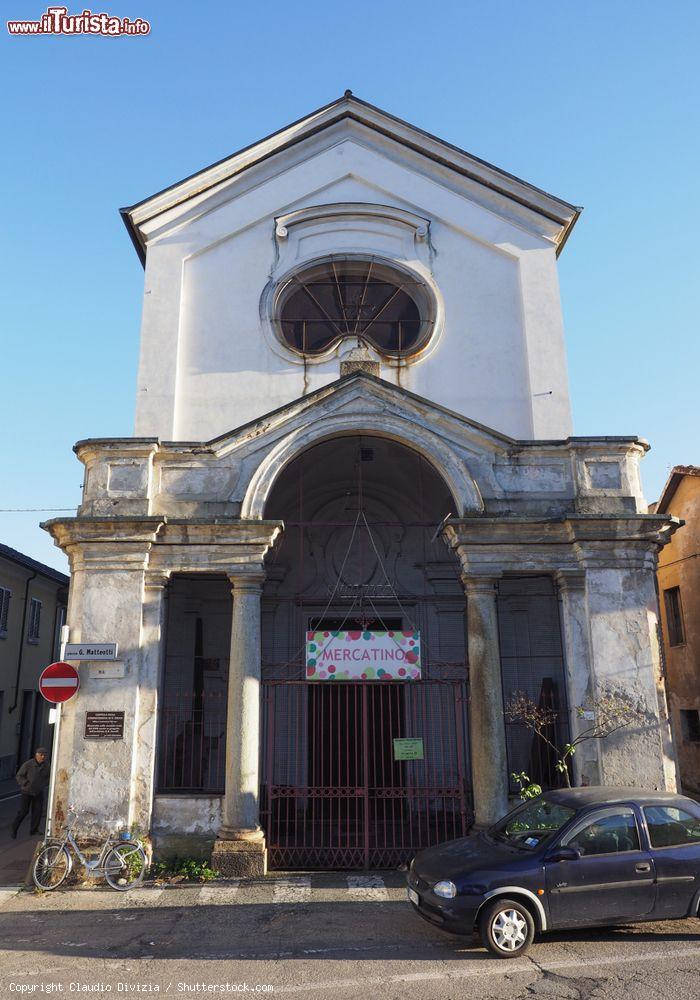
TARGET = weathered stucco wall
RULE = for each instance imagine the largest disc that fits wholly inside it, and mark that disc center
(101, 781)
(185, 826)
(623, 619)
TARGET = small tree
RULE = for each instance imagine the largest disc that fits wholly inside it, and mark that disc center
(527, 789)
(612, 711)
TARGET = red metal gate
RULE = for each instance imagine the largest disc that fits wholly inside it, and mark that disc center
(333, 793)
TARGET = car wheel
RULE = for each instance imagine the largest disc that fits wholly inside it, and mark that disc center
(506, 928)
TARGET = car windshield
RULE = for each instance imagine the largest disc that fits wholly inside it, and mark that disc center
(532, 824)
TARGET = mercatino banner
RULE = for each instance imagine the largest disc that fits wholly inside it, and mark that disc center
(363, 656)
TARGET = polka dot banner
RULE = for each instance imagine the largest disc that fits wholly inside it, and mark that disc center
(365, 656)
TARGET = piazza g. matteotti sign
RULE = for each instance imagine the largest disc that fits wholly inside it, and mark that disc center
(362, 655)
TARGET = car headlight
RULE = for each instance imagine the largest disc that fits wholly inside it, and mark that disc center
(448, 890)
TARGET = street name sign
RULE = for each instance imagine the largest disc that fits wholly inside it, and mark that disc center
(59, 682)
(91, 650)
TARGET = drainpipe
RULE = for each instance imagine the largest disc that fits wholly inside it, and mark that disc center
(13, 706)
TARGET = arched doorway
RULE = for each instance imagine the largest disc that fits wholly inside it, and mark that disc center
(362, 772)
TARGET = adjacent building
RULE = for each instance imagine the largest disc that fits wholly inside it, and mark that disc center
(353, 520)
(33, 601)
(679, 591)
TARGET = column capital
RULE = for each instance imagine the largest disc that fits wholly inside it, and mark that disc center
(570, 579)
(156, 579)
(247, 582)
(475, 585)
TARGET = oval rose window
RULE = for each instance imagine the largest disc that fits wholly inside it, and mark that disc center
(359, 299)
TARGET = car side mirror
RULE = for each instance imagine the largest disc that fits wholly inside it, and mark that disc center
(564, 854)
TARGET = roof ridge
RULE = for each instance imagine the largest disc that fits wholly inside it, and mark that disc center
(480, 171)
(23, 560)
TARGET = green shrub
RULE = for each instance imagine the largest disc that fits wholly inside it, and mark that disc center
(190, 868)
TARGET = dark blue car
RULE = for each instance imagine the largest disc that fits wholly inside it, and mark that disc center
(576, 857)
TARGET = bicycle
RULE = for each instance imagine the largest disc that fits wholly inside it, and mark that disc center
(121, 862)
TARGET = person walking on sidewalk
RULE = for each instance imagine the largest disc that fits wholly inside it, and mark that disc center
(32, 778)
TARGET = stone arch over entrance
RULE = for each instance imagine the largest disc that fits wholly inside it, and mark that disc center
(446, 461)
(359, 560)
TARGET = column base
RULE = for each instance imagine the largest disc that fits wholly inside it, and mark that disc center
(239, 858)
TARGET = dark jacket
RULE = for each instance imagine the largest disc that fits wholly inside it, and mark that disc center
(33, 777)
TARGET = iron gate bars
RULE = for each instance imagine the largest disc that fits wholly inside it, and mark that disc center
(333, 793)
(192, 742)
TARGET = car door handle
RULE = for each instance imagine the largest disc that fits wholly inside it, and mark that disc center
(642, 867)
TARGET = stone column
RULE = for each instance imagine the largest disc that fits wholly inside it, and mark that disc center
(577, 665)
(489, 761)
(240, 846)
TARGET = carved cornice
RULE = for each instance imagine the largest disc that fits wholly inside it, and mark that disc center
(180, 546)
(75, 530)
(650, 529)
(534, 545)
(342, 211)
(91, 448)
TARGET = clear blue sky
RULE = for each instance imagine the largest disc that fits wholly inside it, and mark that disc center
(596, 102)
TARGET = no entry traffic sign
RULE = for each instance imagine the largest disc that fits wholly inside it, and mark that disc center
(59, 682)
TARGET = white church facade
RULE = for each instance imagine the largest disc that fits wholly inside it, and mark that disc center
(353, 427)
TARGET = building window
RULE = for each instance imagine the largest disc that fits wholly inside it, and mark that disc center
(690, 725)
(674, 616)
(34, 620)
(361, 300)
(5, 596)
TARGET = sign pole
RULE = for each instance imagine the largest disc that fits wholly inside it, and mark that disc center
(48, 831)
(52, 779)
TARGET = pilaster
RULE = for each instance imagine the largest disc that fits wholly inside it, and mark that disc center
(153, 617)
(622, 610)
(95, 778)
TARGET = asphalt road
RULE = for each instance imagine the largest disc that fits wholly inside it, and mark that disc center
(320, 935)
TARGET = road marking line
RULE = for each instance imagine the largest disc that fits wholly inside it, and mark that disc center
(218, 895)
(292, 890)
(144, 895)
(480, 970)
(367, 887)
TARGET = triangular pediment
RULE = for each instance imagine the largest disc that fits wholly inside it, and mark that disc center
(362, 393)
(351, 117)
(461, 450)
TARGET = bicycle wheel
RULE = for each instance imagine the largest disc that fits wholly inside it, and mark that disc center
(51, 866)
(125, 866)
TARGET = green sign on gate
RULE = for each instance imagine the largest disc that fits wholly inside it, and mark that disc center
(408, 749)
